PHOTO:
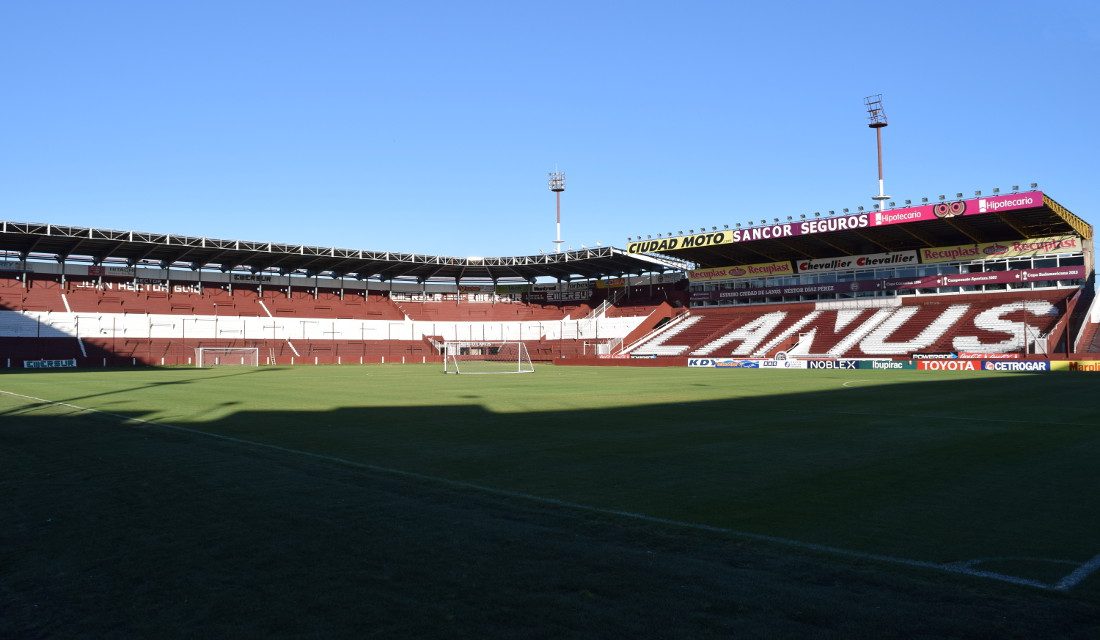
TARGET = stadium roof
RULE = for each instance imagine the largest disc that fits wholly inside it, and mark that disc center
(99, 246)
(1044, 217)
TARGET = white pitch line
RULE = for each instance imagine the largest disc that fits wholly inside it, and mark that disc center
(955, 568)
(851, 381)
(1078, 575)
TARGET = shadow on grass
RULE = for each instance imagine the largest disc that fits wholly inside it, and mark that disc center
(138, 529)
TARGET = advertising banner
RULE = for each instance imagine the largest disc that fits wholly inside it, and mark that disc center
(887, 365)
(949, 365)
(508, 289)
(1003, 249)
(973, 206)
(832, 364)
(1025, 366)
(680, 242)
(49, 364)
(237, 277)
(970, 207)
(1044, 274)
(975, 355)
(10, 265)
(758, 270)
(870, 260)
(1084, 365)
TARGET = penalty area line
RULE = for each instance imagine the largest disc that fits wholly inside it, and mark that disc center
(1065, 584)
(1078, 575)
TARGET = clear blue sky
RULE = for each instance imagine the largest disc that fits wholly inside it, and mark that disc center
(429, 127)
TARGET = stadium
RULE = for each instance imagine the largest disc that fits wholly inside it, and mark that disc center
(843, 423)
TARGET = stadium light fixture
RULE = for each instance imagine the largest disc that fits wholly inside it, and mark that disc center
(1034, 185)
(924, 199)
(942, 197)
(978, 192)
(738, 225)
(725, 226)
(908, 202)
(763, 222)
(831, 212)
(860, 207)
(1015, 188)
(776, 220)
(959, 195)
(845, 210)
(996, 190)
(789, 218)
(802, 216)
(648, 237)
(892, 204)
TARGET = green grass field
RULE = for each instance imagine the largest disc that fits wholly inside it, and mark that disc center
(394, 501)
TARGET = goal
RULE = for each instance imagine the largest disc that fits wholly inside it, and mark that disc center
(486, 357)
(227, 356)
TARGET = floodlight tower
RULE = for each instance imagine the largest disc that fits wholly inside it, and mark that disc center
(557, 185)
(876, 117)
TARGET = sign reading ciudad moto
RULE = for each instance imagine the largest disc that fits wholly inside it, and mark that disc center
(758, 270)
(973, 206)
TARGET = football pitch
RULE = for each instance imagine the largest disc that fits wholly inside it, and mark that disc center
(395, 501)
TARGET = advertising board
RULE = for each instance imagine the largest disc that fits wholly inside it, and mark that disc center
(1027, 366)
(949, 365)
(1031, 247)
(733, 272)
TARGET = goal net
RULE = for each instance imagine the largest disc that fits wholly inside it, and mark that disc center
(227, 356)
(486, 357)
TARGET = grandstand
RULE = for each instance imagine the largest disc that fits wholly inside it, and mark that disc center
(1010, 275)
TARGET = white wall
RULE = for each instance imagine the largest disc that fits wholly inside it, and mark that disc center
(29, 324)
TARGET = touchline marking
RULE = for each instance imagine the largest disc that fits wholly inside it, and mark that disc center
(1065, 584)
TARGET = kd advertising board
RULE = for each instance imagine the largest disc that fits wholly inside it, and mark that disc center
(745, 363)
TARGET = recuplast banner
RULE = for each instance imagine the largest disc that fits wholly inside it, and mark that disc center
(949, 365)
(733, 272)
(1002, 249)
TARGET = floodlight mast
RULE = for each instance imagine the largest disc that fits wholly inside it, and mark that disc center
(557, 185)
(876, 116)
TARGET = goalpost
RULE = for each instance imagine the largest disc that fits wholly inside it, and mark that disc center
(486, 357)
(227, 356)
